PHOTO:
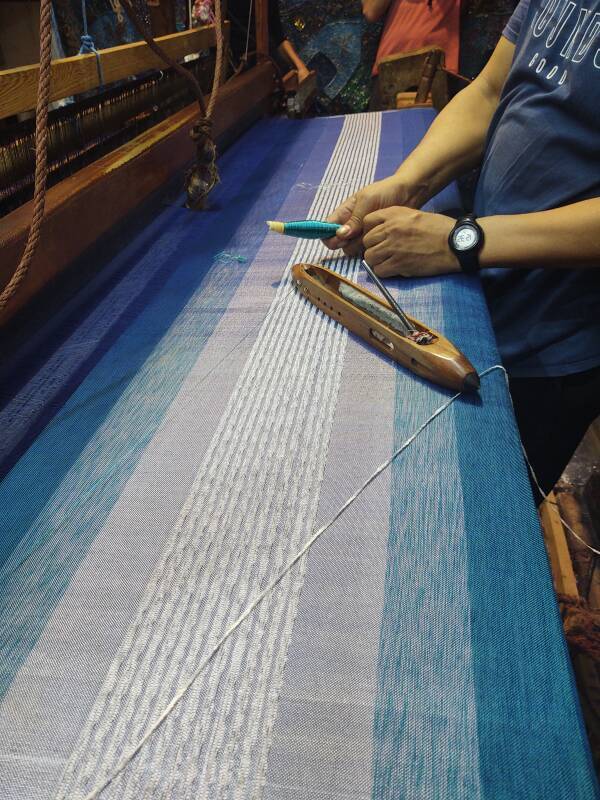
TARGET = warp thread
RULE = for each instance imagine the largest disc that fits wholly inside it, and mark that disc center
(87, 44)
(130, 755)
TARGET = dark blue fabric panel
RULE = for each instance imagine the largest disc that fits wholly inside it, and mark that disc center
(265, 161)
(139, 366)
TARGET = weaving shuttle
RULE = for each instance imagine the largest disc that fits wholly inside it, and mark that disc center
(424, 351)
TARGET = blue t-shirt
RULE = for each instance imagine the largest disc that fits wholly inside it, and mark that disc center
(543, 151)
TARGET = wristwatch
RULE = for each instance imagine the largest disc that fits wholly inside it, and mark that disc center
(466, 240)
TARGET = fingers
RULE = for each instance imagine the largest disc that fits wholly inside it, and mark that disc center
(341, 215)
(389, 268)
(374, 236)
(377, 218)
(353, 248)
(363, 205)
(375, 256)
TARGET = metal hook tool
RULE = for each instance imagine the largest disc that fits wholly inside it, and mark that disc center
(402, 316)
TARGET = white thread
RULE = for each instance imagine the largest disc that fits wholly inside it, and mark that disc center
(245, 57)
(95, 793)
(543, 493)
(554, 503)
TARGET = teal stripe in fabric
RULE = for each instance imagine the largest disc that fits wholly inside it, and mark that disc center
(529, 727)
(425, 716)
(475, 698)
(58, 495)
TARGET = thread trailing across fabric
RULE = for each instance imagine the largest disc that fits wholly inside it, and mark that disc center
(130, 755)
(41, 155)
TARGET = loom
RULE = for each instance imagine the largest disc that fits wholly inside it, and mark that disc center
(119, 132)
(243, 556)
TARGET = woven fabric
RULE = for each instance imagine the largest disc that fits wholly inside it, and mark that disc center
(181, 432)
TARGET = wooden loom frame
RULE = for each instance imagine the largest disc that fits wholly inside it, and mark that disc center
(96, 197)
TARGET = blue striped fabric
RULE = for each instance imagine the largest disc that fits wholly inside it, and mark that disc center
(77, 467)
(176, 436)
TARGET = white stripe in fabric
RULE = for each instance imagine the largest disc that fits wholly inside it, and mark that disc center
(250, 509)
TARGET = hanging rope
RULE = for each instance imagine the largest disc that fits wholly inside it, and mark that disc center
(141, 28)
(199, 181)
(41, 154)
(218, 60)
(203, 176)
(87, 43)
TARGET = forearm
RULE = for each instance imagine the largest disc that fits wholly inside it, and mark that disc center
(562, 237)
(453, 145)
(288, 51)
(374, 10)
(455, 142)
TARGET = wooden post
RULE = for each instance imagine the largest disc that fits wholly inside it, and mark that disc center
(262, 28)
(563, 575)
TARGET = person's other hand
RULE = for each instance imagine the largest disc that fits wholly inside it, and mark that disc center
(351, 213)
(410, 243)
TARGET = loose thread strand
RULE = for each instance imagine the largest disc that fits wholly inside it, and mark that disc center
(555, 504)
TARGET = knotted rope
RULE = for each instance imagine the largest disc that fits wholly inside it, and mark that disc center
(218, 60)
(41, 155)
(203, 176)
(87, 43)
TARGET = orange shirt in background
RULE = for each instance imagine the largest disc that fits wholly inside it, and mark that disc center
(413, 24)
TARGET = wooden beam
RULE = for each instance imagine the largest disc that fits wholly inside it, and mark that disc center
(563, 575)
(262, 27)
(87, 204)
(18, 87)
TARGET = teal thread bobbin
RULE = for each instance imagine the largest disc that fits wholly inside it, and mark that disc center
(305, 228)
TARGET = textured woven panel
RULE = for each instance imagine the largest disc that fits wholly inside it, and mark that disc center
(182, 441)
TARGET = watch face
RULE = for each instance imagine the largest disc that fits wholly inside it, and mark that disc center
(465, 237)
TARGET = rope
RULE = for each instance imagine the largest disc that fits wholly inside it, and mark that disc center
(87, 44)
(41, 155)
(130, 755)
(185, 73)
(218, 60)
(203, 176)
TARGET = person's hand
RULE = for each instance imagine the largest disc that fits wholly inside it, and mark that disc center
(350, 214)
(404, 241)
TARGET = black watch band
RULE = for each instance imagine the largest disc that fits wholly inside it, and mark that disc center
(465, 241)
